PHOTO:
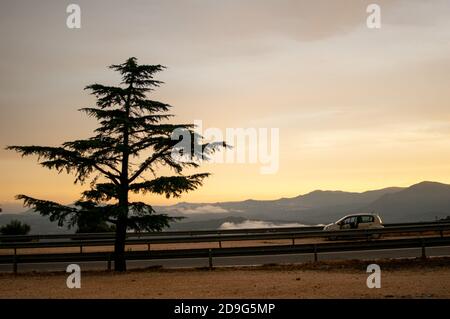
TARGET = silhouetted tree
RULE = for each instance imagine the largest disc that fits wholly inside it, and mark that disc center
(131, 126)
(15, 227)
(90, 222)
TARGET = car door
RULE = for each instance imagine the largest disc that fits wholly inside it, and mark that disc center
(365, 222)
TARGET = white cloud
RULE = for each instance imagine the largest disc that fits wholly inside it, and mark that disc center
(199, 209)
(258, 224)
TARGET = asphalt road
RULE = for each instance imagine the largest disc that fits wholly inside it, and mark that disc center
(242, 260)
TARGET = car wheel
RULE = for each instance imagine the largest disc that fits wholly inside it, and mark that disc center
(375, 236)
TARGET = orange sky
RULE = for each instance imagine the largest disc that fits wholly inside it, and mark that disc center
(357, 108)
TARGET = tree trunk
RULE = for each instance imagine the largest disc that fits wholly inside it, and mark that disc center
(120, 263)
(121, 232)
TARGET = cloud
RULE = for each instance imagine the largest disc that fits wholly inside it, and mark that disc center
(258, 224)
(199, 209)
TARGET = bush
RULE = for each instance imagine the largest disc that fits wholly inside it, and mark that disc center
(15, 227)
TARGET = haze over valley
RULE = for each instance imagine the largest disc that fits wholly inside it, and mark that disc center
(425, 201)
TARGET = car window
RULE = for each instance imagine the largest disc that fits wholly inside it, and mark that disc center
(366, 219)
(348, 220)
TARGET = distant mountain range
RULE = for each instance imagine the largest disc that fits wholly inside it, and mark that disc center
(424, 201)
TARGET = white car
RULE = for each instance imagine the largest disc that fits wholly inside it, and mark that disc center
(356, 221)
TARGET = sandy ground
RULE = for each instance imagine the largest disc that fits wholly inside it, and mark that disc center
(399, 279)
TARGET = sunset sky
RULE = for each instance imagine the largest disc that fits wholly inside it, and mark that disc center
(357, 108)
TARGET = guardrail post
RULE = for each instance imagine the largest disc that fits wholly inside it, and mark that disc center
(220, 244)
(424, 255)
(15, 262)
(109, 262)
(148, 246)
(210, 259)
(81, 248)
(315, 253)
(293, 241)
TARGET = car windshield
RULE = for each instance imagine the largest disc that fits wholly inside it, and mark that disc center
(350, 216)
(342, 219)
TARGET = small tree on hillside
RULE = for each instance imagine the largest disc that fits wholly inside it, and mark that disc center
(132, 139)
(15, 227)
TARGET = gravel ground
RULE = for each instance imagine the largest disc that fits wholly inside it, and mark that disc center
(399, 279)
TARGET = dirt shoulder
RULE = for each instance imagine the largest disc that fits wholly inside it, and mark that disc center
(399, 279)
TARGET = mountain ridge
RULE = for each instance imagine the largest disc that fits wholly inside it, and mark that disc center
(424, 201)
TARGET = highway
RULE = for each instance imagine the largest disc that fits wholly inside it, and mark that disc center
(435, 242)
(240, 260)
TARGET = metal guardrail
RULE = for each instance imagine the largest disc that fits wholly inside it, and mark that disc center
(93, 236)
(363, 233)
(313, 249)
(88, 236)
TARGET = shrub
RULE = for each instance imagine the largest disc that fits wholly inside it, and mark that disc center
(15, 227)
